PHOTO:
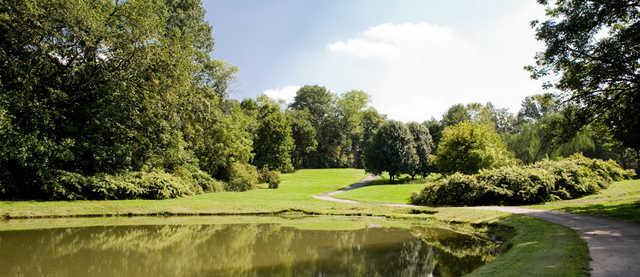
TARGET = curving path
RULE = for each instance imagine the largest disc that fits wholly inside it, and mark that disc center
(614, 246)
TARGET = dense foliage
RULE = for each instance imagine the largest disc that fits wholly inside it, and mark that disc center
(108, 96)
(122, 99)
(468, 147)
(547, 180)
(592, 54)
(392, 150)
(273, 143)
(424, 147)
(342, 125)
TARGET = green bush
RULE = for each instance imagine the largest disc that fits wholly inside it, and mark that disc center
(517, 185)
(572, 177)
(199, 178)
(270, 177)
(242, 177)
(457, 189)
(155, 184)
(609, 170)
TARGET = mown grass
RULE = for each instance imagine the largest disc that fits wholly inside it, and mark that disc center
(389, 193)
(621, 201)
(383, 191)
(538, 248)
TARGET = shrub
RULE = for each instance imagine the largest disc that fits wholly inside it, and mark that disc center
(518, 185)
(157, 184)
(609, 169)
(242, 177)
(457, 189)
(199, 178)
(270, 177)
(66, 185)
(569, 178)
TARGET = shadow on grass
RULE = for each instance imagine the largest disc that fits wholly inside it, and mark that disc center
(626, 211)
(405, 180)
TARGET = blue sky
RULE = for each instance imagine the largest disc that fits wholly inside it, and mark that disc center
(415, 58)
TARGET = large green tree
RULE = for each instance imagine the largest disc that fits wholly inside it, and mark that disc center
(455, 114)
(107, 86)
(424, 148)
(320, 103)
(535, 107)
(304, 136)
(317, 100)
(593, 47)
(435, 130)
(351, 107)
(273, 142)
(392, 150)
(468, 147)
(371, 121)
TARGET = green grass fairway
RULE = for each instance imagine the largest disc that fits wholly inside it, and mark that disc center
(399, 193)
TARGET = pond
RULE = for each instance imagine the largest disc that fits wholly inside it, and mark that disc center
(218, 247)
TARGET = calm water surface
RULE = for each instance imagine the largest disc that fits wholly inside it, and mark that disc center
(239, 250)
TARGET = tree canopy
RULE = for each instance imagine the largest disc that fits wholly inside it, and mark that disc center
(468, 147)
(424, 148)
(593, 47)
(273, 142)
(392, 150)
(94, 87)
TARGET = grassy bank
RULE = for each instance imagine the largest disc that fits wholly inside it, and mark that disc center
(538, 248)
(621, 201)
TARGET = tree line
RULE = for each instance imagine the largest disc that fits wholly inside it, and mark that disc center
(122, 99)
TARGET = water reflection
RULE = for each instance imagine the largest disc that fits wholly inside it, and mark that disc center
(239, 250)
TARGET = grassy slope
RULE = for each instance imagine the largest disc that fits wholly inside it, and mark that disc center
(536, 240)
(539, 249)
(621, 200)
(399, 193)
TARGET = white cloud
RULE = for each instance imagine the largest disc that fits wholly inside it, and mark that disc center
(389, 41)
(284, 94)
(417, 70)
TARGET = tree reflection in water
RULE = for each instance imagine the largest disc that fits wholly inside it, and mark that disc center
(240, 250)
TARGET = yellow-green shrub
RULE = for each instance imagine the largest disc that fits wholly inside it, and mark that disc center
(154, 184)
(242, 177)
(572, 177)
